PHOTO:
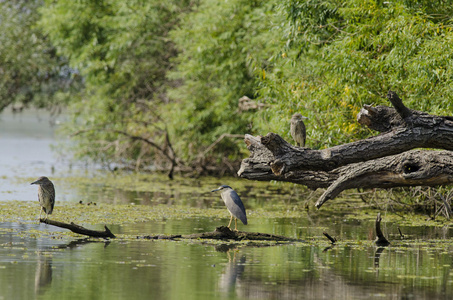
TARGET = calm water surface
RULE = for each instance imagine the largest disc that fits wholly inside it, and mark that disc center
(46, 266)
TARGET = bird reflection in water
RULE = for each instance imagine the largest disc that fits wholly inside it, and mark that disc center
(230, 279)
(43, 275)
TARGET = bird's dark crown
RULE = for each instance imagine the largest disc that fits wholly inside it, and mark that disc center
(41, 180)
(222, 187)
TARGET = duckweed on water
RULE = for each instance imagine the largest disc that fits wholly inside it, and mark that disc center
(114, 214)
(95, 217)
(117, 214)
(264, 199)
(132, 198)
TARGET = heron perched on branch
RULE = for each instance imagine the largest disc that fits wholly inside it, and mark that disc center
(233, 204)
(46, 195)
(297, 129)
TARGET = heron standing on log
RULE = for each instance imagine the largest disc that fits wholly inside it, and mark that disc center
(297, 129)
(46, 195)
(233, 204)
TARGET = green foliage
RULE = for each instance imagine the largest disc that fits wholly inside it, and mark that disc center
(180, 67)
(30, 70)
(122, 50)
(117, 45)
(342, 54)
(220, 45)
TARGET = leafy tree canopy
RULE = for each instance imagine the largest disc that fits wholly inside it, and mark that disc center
(222, 44)
(171, 72)
(30, 70)
(123, 51)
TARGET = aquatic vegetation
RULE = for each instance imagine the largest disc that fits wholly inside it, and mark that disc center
(133, 200)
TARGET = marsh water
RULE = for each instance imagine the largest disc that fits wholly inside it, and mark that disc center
(39, 261)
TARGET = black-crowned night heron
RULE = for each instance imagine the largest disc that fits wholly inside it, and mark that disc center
(297, 129)
(46, 195)
(233, 204)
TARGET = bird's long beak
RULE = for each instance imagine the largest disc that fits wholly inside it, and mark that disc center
(35, 182)
(215, 190)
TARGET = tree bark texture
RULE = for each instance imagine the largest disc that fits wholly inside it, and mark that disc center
(377, 162)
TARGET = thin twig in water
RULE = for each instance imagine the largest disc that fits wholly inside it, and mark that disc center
(332, 240)
(401, 234)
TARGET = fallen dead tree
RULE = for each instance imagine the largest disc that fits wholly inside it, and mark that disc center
(377, 162)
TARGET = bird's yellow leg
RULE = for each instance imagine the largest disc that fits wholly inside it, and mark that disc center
(40, 213)
(231, 219)
(235, 224)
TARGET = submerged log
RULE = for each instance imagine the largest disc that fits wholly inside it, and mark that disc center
(80, 230)
(220, 233)
(225, 233)
(375, 162)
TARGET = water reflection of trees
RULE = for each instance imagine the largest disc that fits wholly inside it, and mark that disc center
(166, 197)
(325, 279)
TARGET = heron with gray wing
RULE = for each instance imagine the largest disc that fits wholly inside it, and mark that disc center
(233, 204)
(46, 195)
(297, 129)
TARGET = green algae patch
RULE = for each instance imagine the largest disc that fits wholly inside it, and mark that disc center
(102, 213)
(146, 203)
(117, 214)
(263, 200)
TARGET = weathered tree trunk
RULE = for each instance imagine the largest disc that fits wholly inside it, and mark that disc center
(375, 162)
